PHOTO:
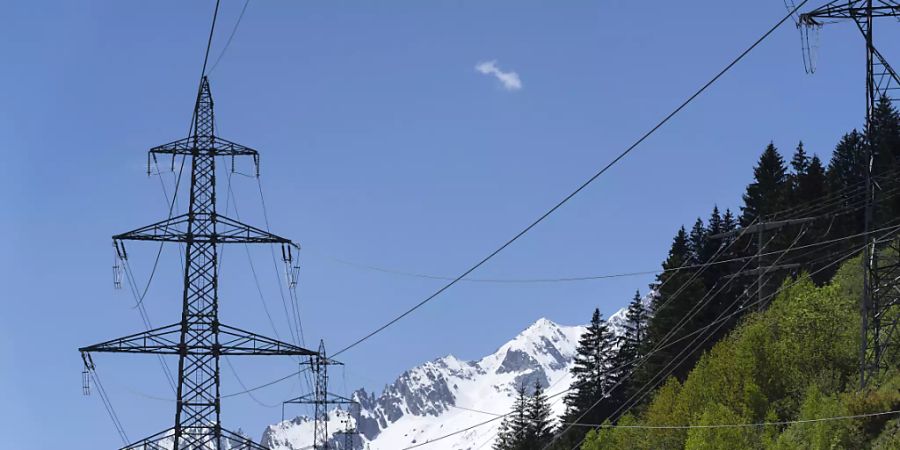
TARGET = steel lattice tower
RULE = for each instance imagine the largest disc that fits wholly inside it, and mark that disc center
(321, 399)
(881, 258)
(199, 339)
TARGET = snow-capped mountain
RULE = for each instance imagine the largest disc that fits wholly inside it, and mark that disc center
(448, 394)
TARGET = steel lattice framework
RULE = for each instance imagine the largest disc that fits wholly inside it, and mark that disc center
(321, 399)
(880, 305)
(199, 339)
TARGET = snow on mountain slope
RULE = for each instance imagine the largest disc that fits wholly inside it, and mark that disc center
(448, 394)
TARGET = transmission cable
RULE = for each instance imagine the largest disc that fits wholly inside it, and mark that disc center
(230, 37)
(723, 425)
(822, 203)
(690, 314)
(722, 320)
(700, 330)
(577, 190)
(107, 404)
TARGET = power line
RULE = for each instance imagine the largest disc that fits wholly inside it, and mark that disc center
(212, 29)
(695, 309)
(723, 425)
(107, 404)
(721, 321)
(820, 205)
(577, 190)
(890, 228)
(699, 330)
(230, 37)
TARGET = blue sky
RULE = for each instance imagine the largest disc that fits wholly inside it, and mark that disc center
(382, 145)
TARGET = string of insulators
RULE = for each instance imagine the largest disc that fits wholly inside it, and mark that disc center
(291, 270)
(119, 257)
(86, 374)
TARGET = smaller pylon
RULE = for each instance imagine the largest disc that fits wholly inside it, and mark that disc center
(321, 399)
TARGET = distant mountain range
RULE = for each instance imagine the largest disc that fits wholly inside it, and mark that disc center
(449, 394)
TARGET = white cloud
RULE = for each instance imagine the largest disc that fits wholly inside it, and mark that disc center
(510, 80)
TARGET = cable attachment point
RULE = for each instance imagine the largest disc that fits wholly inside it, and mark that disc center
(291, 268)
(86, 373)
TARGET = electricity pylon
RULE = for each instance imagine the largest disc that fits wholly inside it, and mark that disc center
(321, 399)
(199, 339)
(881, 275)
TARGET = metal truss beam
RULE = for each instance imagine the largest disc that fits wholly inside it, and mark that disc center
(850, 10)
(166, 341)
(164, 440)
(223, 230)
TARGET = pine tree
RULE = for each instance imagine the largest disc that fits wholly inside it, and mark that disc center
(635, 325)
(800, 161)
(768, 191)
(711, 246)
(591, 375)
(885, 136)
(514, 429)
(677, 293)
(503, 441)
(540, 419)
(729, 223)
(697, 242)
(812, 186)
(846, 179)
(632, 345)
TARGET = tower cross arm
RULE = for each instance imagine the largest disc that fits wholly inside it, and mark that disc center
(235, 341)
(330, 399)
(225, 231)
(190, 145)
(850, 10)
(165, 341)
(227, 440)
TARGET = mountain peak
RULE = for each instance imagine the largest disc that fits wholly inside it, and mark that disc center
(429, 399)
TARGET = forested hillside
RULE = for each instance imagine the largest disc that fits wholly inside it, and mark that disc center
(750, 320)
(796, 361)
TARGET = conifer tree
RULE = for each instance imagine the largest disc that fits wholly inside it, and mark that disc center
(590, 370)
(697, 242)
(846, 179)
(812, 186)
(729, 223)
(632, 345)
(635, 325)
(540, 419)
(767, 193)
(514, 428)
(800, 161)
(677, 292)
(503, 441)
(885, 136)
(711, 245)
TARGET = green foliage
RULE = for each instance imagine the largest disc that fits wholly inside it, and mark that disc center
(719, 438)
(889, 438)
(820, 435)
(794, 361)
